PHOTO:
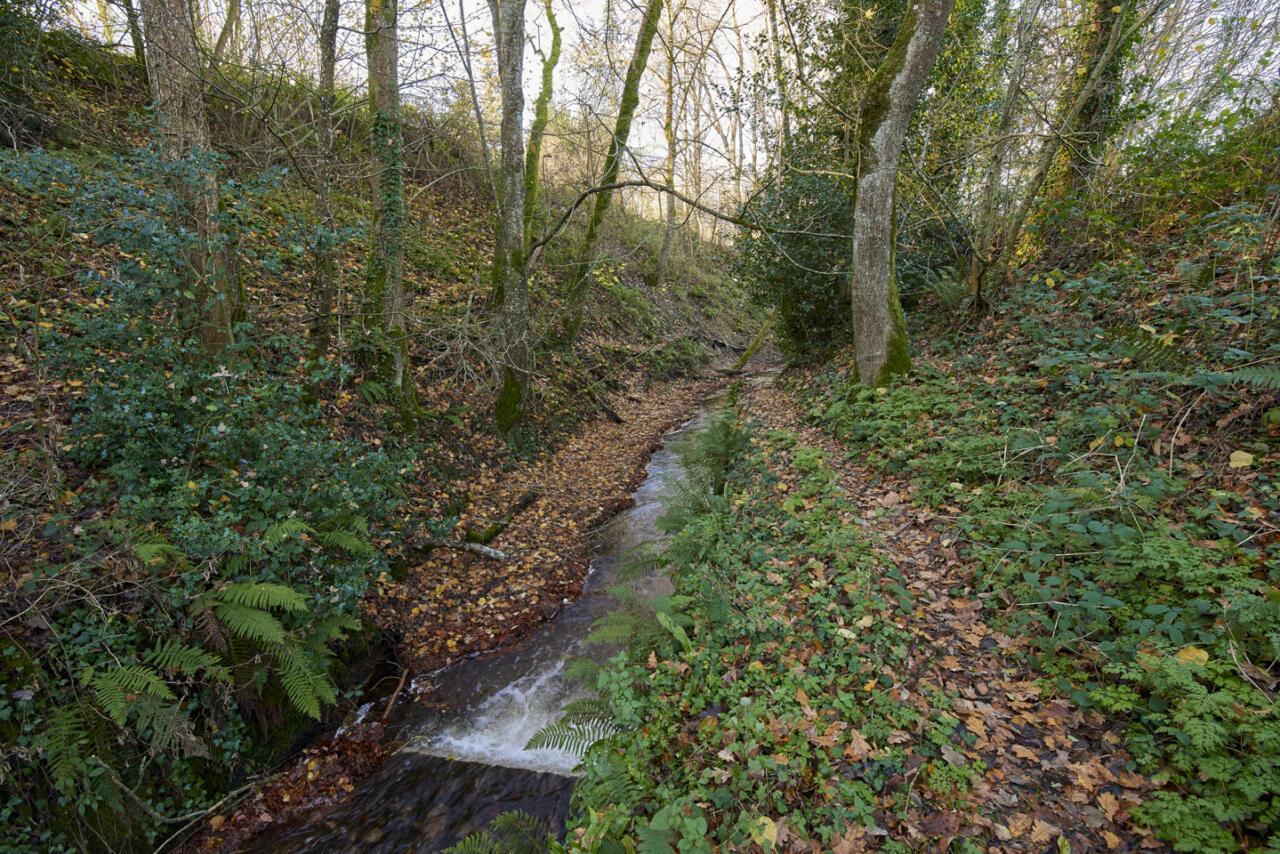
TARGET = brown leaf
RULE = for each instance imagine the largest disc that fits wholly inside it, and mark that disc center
(1042, 832)
(1109, 805)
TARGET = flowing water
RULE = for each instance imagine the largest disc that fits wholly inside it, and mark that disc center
(462, 767)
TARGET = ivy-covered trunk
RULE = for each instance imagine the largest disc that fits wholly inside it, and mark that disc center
(173, 67)
(509, 257)
(880, 335)
(383, 313)
(326, 268)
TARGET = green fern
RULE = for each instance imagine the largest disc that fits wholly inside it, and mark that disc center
(1146, 348)
(249, 623)
(119, 689)
(582, 723)
(175, 655)
(348, 542)
(168, 729)
(582, 669)
(513, 832)
(263, 596)
(61, 745)
(285, 530)
(1260, 377)
(305, 688)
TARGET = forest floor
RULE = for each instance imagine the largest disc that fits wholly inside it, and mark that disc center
(1049, 773)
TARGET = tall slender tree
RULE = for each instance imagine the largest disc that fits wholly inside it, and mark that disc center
(173, 66)
(383, 315)
(879, 331)
(510, 274)
(326, 267)
(612, 165)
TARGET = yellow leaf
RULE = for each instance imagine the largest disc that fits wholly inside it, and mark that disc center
(1193, 655)
(1240, 459)
(765, 830)
(866, 621)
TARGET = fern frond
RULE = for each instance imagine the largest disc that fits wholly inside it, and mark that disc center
(642, 559)
(1149, 349)
(119, 689)
(298, 680)
(1260, 377)
(582, 669)
(61, 746)
(572, 736)
(284, 530)
(249, 623)
(157, 554)
(614, 627)
(173, 654)
(168, 730)
(514, 832)
(263, 596)
(350, 543)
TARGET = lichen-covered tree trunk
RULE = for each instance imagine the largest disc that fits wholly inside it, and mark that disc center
(173, 66)
(384, 309)
(612, 165)
(325, 275)
(879, 332)
(509, 258)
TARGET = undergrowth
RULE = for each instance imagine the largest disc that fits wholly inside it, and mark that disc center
(1115, 479)
(766, 702)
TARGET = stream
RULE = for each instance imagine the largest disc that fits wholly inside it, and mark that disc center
(461, 767)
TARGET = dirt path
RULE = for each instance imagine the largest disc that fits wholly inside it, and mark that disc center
(1055, 777)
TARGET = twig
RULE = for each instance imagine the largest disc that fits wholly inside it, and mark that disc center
(395, 695)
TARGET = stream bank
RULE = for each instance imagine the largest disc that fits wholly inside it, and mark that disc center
(483, 606)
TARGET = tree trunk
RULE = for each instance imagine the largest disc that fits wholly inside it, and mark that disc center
(326, 268)
(384, 309)
(1009, 239)
(135, 32)
(173, 67)
(228, 28)
(612, 165)
(541, 115)
(509, 258)
(880, 337)
(1097, 120)
(669, 165)
(985, 227)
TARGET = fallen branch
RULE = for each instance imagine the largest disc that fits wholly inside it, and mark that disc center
(463, 546)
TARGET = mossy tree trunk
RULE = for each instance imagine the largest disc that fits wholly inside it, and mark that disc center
(880, 336)
(510, 274)
(383, 314)
(612, 166)
(173, 67)
(324, 281)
